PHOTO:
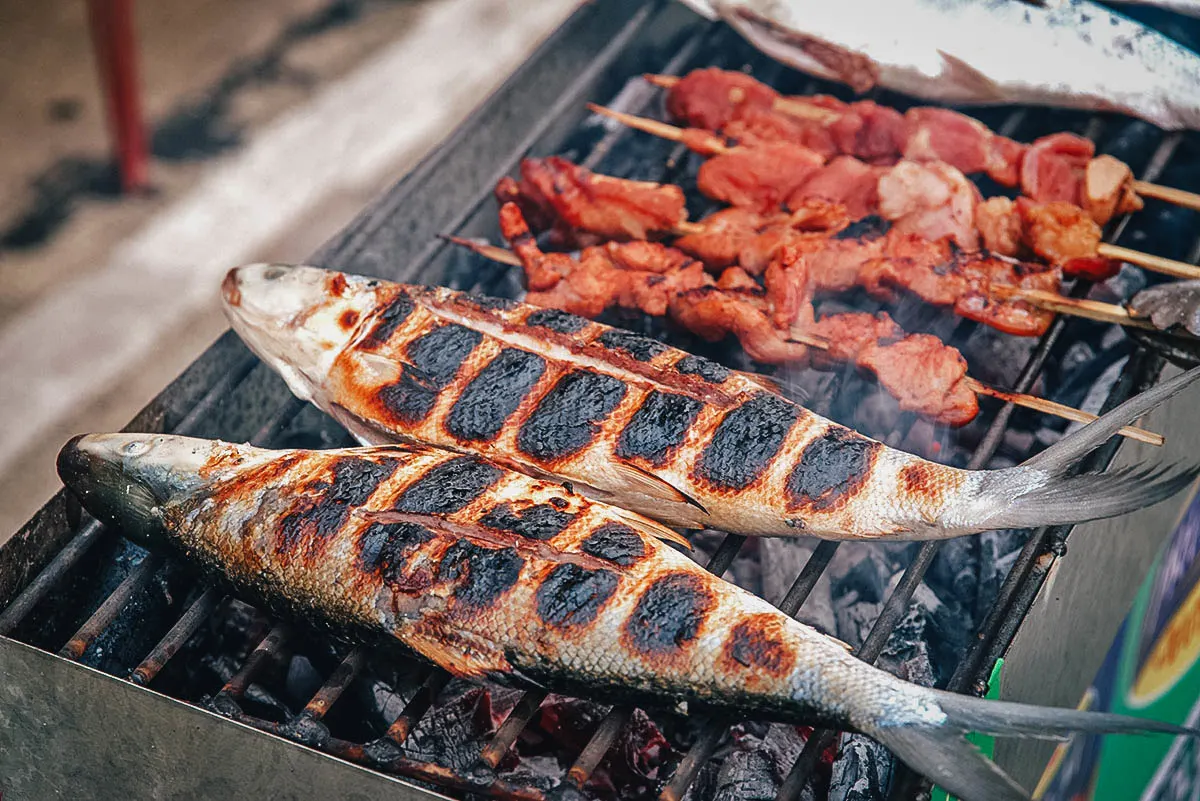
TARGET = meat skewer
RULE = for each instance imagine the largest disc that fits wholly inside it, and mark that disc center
(705, 143)
(711, 98)
(503, 256)
(561, 196)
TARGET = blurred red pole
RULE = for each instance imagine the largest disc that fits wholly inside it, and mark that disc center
(116, 60)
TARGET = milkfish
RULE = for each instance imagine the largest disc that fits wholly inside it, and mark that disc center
(631, 421)
(492, 574)
(1070, 53)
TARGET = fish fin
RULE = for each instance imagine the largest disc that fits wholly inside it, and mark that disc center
(950, 760)
(386, 369)
(456, 652)
(652, 528)
(960, 73)
(762, 381)
(772, 384)
(654, 486)
(799, 50)
(1039, 491)
(943, 754)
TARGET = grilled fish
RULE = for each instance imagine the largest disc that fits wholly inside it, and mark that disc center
(492, 574)
(1071, 53)
(631, 421)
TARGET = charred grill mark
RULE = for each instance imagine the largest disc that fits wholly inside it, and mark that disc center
(569, 416)
(384, 547)
(571, 596)
(337, 284)
(616, 543)
(707, 369)
(538, 522)
(488, 537)
(558, 321)
(868, 228)
(746, 441)
(639, 347)
(410, 398)
(433, 361)
(756, 643)
(483, 574)
(388, 320)
(322, 514)
(920, 478)
(348, 320)
(668, 615)
(494, 394)
(489, 303)
(449, 486)
(831, 469)
(658, 427)
(439, 354)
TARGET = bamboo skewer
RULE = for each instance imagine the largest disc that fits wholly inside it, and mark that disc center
(803, 109)
(1148, 261)
(505, 256)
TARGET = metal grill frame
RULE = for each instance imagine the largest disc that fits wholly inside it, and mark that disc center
(226, 393)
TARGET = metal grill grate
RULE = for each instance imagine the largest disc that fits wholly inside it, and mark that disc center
(596, 56)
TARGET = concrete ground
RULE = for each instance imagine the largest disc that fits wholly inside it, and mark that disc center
(272, 124)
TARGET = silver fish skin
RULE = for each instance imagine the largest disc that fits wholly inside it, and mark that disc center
(1068, 53)
(492, 574)
(633, 422)
(1189, 7)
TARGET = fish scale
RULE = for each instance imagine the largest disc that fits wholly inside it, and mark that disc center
(589, 405)
(418, 545)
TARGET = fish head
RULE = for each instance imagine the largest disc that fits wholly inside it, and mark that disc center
(297, 319)
(126, 479)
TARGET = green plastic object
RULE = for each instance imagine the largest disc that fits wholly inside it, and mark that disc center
(986, 743)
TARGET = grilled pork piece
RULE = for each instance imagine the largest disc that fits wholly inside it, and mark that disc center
(629, 419)
(1076, 53)
(1061, 166)
(765, 319)
(929, 200)
(490, 574)
(573, 200)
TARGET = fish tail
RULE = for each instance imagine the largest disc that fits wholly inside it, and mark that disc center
(1039, 492)
(942, 753)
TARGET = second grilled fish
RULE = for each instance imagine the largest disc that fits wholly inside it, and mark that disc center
(631, 421)
(1072, 53)
(492, 574)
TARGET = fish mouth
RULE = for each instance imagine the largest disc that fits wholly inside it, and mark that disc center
(124, 479)
(293, 317)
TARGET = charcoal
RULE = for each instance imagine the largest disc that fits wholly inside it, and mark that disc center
(1128, 281)
(854, 620)
(861, 571)
(542, 771)
(453, 732)
(862, 770)
(303, 680)
(782, 561)
(757, 766)
(998, 551)
(954, 573)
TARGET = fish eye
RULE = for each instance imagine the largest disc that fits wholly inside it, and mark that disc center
(275, 272)
(136, 448)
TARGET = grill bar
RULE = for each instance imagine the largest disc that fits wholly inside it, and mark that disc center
(48, 578)
(335, 685)
(137, 579)
(511, 729)
(174, 639)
